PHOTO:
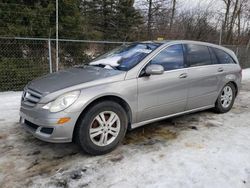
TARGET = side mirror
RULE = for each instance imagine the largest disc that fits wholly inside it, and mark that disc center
(154, 69)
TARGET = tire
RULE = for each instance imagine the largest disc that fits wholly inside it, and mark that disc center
(220, 106)
(104, 142)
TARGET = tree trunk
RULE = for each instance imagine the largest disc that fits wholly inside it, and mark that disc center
(224, 25)
(172, 15)
(149, 20)
(232, 22)
(239, 23)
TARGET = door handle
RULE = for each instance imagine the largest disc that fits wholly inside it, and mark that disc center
(220, 69)
(183, 75)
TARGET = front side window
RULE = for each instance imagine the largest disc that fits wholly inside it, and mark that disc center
(125, 57)
(223, 57)
(197, 55)
(170, 58)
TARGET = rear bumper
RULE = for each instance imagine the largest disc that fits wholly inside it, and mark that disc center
(45, 127)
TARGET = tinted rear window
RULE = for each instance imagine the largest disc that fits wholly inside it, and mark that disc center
(197, 55)
(223, 57)
(214, 59)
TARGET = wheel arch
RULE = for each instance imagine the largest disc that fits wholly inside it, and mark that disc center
(218, 106)
(235, 86)
(114, 98)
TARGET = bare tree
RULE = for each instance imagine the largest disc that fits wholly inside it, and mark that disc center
(172, 14)
(224, 25)
(164, 18)
(232, 21)
(149, 19)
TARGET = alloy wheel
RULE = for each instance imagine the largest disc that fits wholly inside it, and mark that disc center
(226, 96)
(105, 128)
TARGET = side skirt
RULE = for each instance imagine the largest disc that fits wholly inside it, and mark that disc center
(135, 125)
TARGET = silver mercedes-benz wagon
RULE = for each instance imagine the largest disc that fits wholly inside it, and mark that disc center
(130, 86)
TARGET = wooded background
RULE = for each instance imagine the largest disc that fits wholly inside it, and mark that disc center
(128, 20)
(27, 30)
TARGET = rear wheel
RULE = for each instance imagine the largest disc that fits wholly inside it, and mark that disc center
(226, 98)
(102, 128)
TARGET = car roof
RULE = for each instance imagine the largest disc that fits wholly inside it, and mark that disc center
(182, 41)
(187, 42)
(193, 42)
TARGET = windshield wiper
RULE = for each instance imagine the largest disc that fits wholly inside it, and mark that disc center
(103, 66)
(113, 67)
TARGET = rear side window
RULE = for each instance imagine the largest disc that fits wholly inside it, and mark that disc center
(197, 55)
(170, 58)
(223, 57)
(214, 59)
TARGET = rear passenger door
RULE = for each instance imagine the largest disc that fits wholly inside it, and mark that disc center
(225, 61)
(203, 76)
(228, 68)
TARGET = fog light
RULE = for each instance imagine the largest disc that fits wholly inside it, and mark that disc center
(63, 120)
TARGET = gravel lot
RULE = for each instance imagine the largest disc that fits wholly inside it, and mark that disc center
(197, 150)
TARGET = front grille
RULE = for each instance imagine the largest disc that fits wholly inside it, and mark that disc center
(31, 97)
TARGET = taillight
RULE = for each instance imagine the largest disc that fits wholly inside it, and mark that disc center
(241, 72)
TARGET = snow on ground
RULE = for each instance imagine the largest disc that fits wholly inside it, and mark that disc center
(197, 150)
(246, 74)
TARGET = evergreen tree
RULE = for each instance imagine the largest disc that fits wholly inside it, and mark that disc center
(111, 19)
(29, 18)
(78, 19)
(37, 18)
(127, 20)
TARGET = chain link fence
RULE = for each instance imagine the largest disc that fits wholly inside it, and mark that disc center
(74, 52)
(243, 54)
(22, 60)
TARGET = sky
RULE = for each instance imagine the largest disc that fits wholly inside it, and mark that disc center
(212, 4)
(189, 4)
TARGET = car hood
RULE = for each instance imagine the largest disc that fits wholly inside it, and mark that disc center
(71, 77)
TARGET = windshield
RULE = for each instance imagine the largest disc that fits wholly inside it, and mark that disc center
(125, 57)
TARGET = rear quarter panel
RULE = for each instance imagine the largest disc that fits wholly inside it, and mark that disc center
(232, 73)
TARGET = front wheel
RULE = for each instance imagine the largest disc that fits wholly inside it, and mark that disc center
(101, 128)
(225, 99)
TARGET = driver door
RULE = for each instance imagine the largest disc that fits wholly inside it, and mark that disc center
(165, 94)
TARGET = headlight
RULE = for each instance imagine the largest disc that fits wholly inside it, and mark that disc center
(62, 102)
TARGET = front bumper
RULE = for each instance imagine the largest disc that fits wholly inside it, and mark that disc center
(43, 125)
